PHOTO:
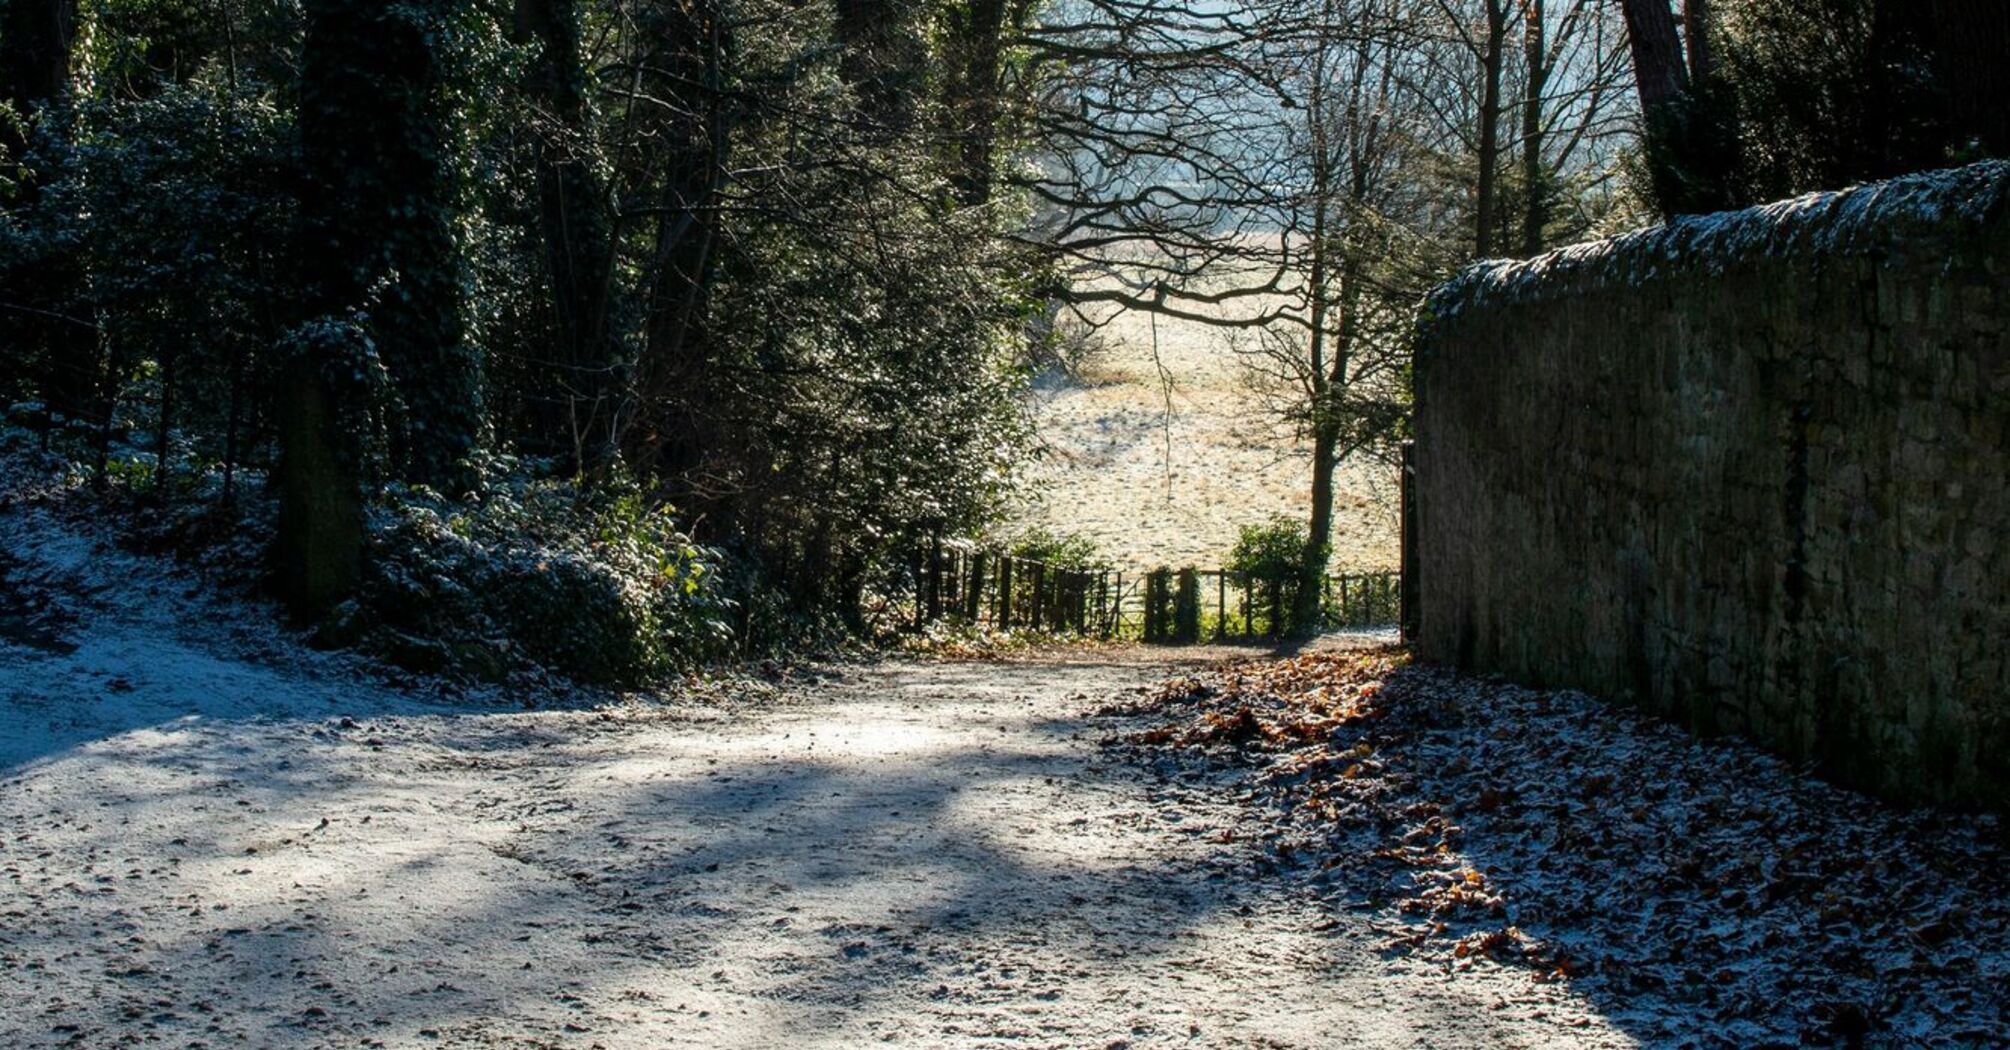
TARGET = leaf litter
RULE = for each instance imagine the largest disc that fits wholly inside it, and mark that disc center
(1705, 891)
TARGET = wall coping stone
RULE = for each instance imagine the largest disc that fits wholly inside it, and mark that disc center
(1910, 212)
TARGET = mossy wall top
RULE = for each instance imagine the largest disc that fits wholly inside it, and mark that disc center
(1748, 470)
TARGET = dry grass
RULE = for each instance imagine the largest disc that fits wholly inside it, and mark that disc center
(1152, 489)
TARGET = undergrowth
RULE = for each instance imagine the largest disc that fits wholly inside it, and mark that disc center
(524, 575)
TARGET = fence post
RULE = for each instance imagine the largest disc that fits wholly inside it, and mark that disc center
(1155, 588)
(1005, 591)
(1039, 591)
(973, 588)
(952, 570)
(1410, 598)
(935, 577)
(1186, 608)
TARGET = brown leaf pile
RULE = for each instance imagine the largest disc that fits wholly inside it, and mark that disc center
(1704, 888)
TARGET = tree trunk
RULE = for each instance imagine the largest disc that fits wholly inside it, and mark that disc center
(317, 551)
(36, 37)
(1702, 48)
(668, 433)
(233, 409)
(1319, 530)
(1658, 69)
(1971, 62)
(1319, 536)
(1692, 149)
(164, 426)
(376, 146)
(419, 325)
(1534, 171)
(1492, 61)
(1662, 78)
(375, 203)
(577, 231)
(982, 45)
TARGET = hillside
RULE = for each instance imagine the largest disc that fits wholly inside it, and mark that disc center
(1152, 488)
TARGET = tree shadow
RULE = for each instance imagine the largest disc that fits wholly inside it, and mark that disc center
(546, 879)
(555, 882)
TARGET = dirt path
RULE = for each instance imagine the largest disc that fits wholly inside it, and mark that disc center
(212, 837)
(917, 854)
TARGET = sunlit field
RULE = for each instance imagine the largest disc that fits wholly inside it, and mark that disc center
(1155, 487)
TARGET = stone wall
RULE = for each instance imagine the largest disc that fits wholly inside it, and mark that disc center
(1751, 471)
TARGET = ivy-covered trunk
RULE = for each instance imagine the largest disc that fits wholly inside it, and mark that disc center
(418, 319)
(41, 319)
(317, 554)
(383, 287)
(318, 549)
(979, 28)
(375, 121)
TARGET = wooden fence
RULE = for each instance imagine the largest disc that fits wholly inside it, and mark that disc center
(963, 583)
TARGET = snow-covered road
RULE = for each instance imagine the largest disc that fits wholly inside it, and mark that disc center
(214, 838)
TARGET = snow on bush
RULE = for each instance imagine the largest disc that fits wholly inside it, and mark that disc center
(595, 584)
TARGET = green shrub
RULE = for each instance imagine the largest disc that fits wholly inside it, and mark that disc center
(1268, 556)
(1270, 551)
(599, 585)
(1059, 550)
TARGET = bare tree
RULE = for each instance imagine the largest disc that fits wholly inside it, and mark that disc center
(1157, 165)
(1487, 44)
(1575, 112)
(1300, 172)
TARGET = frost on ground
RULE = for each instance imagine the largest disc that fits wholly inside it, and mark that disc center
(1700, 893)
(214, 838)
